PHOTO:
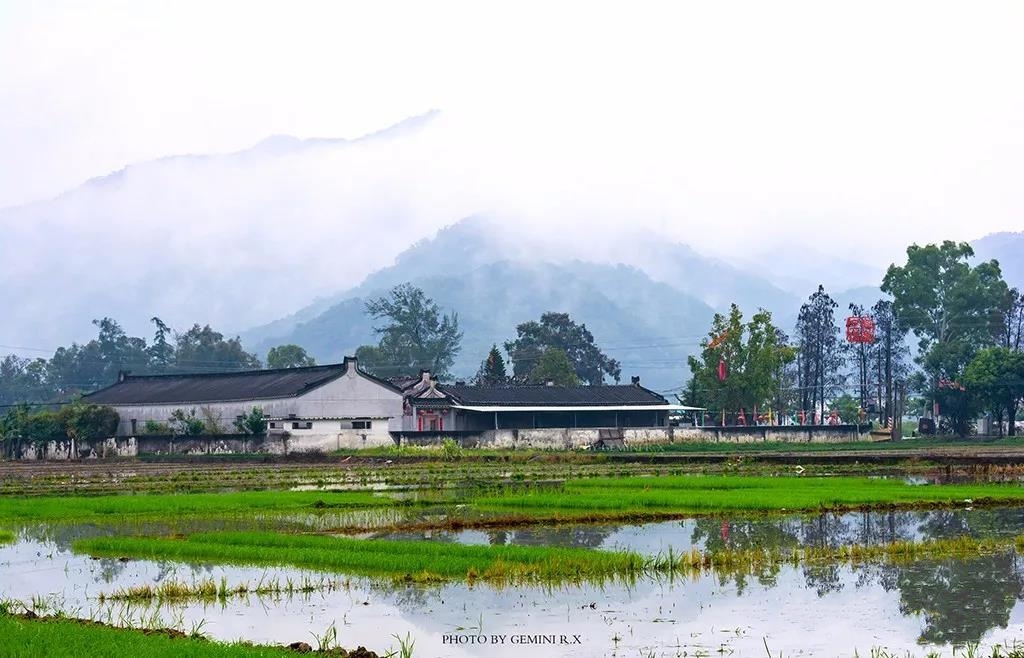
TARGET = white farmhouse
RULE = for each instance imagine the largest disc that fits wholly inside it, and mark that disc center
(320, 407)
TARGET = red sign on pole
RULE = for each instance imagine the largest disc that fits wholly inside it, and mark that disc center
(860, 329)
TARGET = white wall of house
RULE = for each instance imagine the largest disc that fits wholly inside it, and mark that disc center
(326, 434)
(349, 396)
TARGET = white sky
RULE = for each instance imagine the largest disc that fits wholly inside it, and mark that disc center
(755, 122)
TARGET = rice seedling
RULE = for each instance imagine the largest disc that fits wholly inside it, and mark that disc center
(649, 496)
(162, 506)
(411, 561)
(405, 645)
(433, 562)
(209, 590)
(328, 640)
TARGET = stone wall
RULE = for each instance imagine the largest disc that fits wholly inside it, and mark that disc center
(569, 439)
(281, 443)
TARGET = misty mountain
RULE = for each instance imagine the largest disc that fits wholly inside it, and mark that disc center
(1008, 249)
(648, 326)
(482, 240)
(799, 269)
(233, 240)
(649, 310)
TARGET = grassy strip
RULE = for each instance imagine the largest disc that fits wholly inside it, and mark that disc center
(417, 561)
(703, 494)
(7, 537)
(65, 637)
(634, 498)
(162, 506)
(170, 591)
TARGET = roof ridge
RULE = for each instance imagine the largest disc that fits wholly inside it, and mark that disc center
(234, 373)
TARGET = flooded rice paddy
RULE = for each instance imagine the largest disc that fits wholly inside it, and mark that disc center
(814, 608)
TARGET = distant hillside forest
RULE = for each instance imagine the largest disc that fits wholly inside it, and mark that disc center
(966, 358)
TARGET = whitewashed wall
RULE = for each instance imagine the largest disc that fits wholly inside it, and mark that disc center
(349, 396)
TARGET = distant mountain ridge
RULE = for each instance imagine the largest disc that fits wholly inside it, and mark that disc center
(1008, 249)
(232, 240)
(649, 324)
(286, 239)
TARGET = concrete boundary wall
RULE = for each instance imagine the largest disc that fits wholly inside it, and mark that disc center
(274, 444)
(282, 443)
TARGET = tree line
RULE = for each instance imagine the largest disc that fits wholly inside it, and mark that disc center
(969, 328)
(967, 322)
(415, 335)
(81, 368)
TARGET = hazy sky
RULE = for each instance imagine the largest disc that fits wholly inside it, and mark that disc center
(727, 122)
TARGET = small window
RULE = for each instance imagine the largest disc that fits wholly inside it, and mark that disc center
(302, 426)
(361, 424)
(272, 426)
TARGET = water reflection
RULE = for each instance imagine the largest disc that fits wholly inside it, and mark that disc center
(961, 600)
(798, 608)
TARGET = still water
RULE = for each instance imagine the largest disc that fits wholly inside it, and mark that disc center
(810, 609)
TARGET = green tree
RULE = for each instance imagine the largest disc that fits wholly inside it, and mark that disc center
(253, 422)
(184, 423)
(891, 358)
(201, 349)
(161, 352)
(848, 408)
(821, 352)
(1012, 333)
(750, 355)
(416, 337)
(88, 421)
(289, 356)
(554, 365)
(23, 380)
(557, 330)
(119, 351)
(995, 377)
(954, 310)
(492, 370)
(22, 422)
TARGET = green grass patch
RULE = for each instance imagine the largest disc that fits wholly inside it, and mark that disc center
(596, 498)
(418, 561)
(162, 506)
(425, 562)
(65, 637)
(7, 537)
(685, 494)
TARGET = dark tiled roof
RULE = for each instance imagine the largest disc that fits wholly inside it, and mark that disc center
(220, 387)
(567, 396)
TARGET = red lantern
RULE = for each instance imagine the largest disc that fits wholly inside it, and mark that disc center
(721, 370)
(860, 329)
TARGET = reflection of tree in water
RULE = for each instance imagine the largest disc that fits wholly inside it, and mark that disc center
(442, 536)
(409, 596)
(577, 536)
(789, 533)
(742, 534)
(949, 524)
(109, 569)
(961, 599)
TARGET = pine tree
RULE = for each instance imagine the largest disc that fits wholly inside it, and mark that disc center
(492, 370)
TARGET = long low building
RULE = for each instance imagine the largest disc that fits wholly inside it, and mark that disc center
(535, 415)
(319, 407)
